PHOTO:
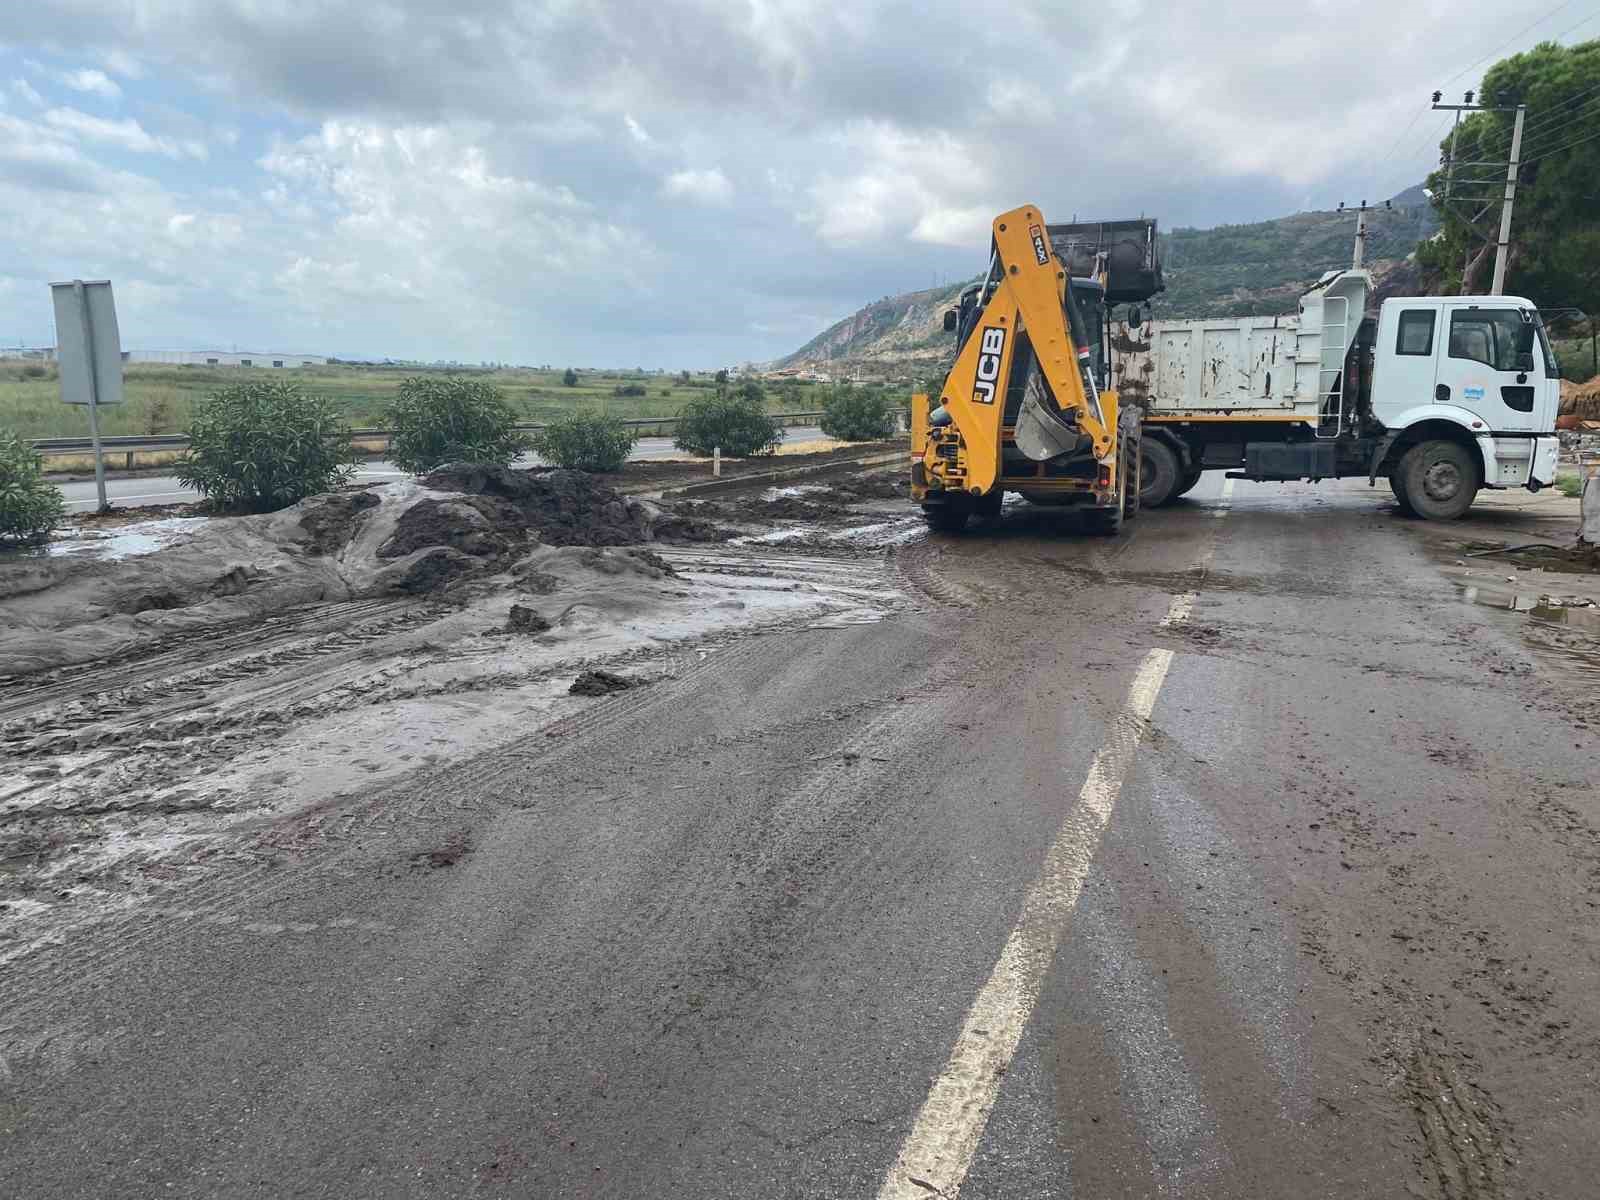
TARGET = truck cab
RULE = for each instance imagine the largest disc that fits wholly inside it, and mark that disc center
(1477, 368)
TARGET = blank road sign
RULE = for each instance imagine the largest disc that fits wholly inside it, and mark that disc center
(87, 339)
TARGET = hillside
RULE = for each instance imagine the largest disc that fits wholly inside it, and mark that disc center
(1231, 270)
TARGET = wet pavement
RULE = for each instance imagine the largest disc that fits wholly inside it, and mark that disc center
(1246, 855)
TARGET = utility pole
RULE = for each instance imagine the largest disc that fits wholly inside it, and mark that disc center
(1500, 247)
(1360, 254)
(1503, 241)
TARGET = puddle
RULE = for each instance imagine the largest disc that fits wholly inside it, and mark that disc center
(1559, 634)
(124, 541)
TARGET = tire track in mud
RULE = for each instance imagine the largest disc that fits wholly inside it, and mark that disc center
(142, 711)
(324, 837)
(205, 649)
(330, 829)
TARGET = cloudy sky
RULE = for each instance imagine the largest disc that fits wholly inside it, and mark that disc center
(664, 183)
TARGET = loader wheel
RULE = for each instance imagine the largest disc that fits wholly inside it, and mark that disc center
(1187, 483)
(1160, 477)
(1135, 448)
(947, 516)
(987, 507)
(1440, 479)
(1107, 522)
(1401, 500)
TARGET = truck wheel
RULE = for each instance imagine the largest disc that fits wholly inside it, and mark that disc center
(1440, 479)
(1401, 500)
(1160, 478)
(947, 517)
(1186, 484)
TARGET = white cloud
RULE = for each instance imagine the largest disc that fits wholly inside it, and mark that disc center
(126, 134)
(708, 187)
(636, 130)
(91, 81)
(27, 91)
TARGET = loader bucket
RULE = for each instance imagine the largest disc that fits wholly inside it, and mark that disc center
(1042, 431)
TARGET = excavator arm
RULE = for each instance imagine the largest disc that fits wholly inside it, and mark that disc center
(1025, 310)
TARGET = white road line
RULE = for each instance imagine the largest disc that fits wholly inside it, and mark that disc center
(935, 1157)
(939, 1149)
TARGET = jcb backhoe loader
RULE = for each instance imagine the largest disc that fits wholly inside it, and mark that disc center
(1026, 408)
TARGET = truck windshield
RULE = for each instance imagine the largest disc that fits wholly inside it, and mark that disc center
(1552, 368)
(1497, 337)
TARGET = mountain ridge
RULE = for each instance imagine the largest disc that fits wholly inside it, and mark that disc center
(1229, 270)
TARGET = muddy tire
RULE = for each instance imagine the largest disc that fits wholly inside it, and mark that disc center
(947, 517)
(987, 507)
(1440, 479)
(1187, 483)
(1107, 522)
(1401, 500)
(1160, 476)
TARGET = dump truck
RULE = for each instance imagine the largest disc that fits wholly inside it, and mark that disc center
(1439, 395)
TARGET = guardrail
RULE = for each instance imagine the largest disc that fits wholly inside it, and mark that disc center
(131, 444)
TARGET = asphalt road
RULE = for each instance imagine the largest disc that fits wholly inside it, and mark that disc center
(1236, 858)
(164, 489)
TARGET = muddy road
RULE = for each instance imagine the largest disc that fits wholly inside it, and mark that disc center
(1240, 857)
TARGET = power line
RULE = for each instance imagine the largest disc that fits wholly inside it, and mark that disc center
(1551, 120)
(1540, 21)
(1560, 149)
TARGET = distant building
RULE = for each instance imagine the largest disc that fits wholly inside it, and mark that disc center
(227, 358)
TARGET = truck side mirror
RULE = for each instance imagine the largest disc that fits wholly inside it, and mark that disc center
(1524, 361)
(949, 320)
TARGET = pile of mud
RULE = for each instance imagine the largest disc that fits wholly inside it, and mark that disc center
(1581, 400)
(458, 527)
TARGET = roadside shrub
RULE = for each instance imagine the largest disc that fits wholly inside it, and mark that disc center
(582, 442)
(737, 421)
(857, 414)
(34, 371)
(260, 446)
(30, 505)
(451, 419)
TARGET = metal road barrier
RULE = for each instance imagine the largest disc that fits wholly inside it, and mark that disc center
(132, 444)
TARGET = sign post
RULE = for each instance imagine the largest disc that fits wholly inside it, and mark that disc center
(89, 356)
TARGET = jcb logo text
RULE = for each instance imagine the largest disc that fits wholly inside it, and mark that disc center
(989, 351)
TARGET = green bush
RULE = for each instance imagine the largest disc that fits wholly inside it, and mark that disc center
(585, 443)
(630, 389)
(857, 414)
(569, 378)
(736, 421)
(30, 505)
(451, 419)
(262, 445)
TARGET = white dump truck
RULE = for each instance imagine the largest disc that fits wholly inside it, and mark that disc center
(1441, 395)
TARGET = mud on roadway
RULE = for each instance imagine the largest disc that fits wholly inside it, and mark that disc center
(318, 879)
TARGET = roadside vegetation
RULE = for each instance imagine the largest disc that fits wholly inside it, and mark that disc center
(30, 506)
(857, 414)
(585, 442)
(1569, 485)
(732, 417)
(261, 446)
(451, 419)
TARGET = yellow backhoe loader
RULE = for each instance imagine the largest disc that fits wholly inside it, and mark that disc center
(1027, 407)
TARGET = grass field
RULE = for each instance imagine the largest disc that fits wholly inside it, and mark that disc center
(159, 397)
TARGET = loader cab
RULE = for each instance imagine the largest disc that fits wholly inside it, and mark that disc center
(1089, 298)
